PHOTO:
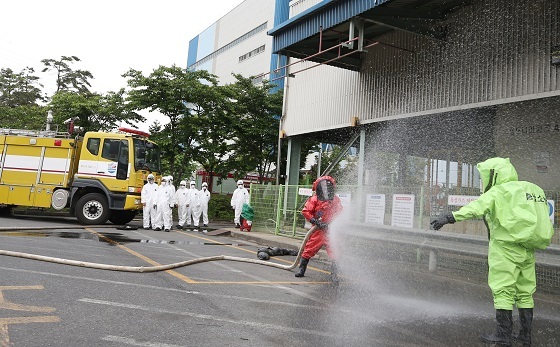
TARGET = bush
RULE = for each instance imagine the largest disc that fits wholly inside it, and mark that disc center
(219, 208)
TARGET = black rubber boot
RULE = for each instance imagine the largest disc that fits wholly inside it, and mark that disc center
(526, 321)
(502, 336)
(302, 267)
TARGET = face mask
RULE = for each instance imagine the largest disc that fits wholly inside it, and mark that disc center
(163, 183)
(240, 185)
(203, 188)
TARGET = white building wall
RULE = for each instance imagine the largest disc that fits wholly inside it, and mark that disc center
(495, 52)
(220, 40)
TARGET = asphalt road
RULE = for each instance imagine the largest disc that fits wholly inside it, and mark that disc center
(221, 303)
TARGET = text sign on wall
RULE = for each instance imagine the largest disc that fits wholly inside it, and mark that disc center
(345, 199)
(305, 191)
(403, 210)
(460, 200)
(375, 208)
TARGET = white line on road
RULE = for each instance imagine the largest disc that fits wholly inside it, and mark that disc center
(133, 342)
(147, 286)
(214, 318)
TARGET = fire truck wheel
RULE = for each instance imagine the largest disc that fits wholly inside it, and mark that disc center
(119, 217)
(6, 211)
(92, 208)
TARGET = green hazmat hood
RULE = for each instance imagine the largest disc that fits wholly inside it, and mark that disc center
(496, 171)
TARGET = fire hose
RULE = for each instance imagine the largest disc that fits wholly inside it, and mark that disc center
(157, 268)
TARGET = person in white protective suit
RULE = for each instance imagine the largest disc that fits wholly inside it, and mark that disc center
(204, 198)
(190, 206)
(240, 197)
(147, 197)
(173, 203)
(163, 203)
(195, 203)
(182, 198)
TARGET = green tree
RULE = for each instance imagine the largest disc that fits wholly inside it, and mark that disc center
(93, 111)
(68, 79)
(174, 92)
(31, 117)
(256, 129)
(19, 89)
(214, 143)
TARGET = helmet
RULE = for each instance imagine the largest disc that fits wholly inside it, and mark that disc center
(170, 177)
(193, 183)
(151, 177)
(263, 256)
(182, 183)
(205, 184)
(324, 188)
(239, 182)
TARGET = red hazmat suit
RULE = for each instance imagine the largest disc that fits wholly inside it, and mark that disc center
(324, 211)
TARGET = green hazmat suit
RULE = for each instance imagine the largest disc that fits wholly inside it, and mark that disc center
(516, 214)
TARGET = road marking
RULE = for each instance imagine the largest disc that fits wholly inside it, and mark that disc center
(143, 257)
(25, 320)
(133, 342)
(4, 335)
(167, 289)
(258, 325)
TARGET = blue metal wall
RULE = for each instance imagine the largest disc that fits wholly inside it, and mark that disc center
(326, 14)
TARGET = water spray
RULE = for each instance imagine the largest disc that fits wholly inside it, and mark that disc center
(146, 269)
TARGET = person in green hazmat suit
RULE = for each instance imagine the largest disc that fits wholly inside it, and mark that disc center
(516, 214)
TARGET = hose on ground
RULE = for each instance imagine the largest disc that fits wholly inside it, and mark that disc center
(157, 268)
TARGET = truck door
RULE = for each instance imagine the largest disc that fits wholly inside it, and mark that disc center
(114, 158)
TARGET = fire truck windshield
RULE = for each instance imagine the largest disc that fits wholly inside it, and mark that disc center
(146, 155)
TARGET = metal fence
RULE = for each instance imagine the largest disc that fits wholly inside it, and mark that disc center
(278, 208)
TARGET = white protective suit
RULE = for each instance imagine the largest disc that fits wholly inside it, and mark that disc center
(240, 197)
(165, 200)
(148, 197)
(204, 198)
(190, 208)
(182, 197)
(195, 203)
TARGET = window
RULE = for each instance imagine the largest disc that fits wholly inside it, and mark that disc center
(252, 53)
(93, 145)
(111, 149)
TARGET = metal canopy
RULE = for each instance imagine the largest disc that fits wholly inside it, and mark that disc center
(322, 33)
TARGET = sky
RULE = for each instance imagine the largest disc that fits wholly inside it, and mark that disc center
(109, 36)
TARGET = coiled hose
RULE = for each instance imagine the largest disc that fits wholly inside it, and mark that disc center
(159, 267)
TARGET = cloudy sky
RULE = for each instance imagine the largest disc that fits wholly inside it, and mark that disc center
(109, 36)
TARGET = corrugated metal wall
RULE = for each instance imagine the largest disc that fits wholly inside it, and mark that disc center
(495, 52)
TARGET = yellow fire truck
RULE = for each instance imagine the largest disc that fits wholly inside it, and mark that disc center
(97, 176)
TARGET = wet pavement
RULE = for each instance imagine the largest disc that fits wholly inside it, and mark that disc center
(383, 298)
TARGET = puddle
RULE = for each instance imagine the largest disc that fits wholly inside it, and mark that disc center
(115, 237)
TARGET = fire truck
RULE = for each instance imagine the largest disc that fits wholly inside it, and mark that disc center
(97, 176)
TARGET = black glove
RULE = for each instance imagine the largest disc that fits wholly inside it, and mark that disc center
(446, 218)
(322, 225)
(313, 221)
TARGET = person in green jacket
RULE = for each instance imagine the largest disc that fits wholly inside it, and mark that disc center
(516, 214)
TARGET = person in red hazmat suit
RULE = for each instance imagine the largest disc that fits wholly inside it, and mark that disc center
(319, 210)
(516, 214)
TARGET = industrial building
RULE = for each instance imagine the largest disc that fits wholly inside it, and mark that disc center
(423, 89)
(446, 83)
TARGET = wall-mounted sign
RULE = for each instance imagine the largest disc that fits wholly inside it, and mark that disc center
(460, 200)
(375, 208)
(403, 210)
